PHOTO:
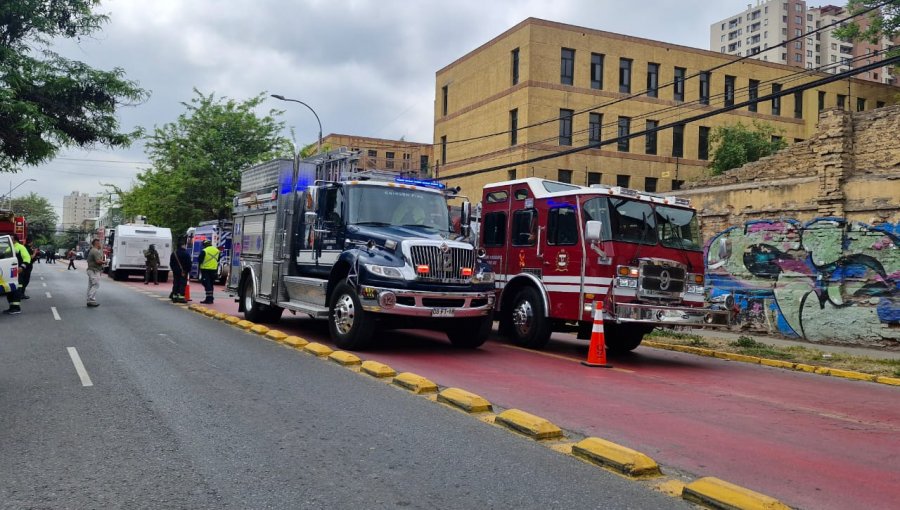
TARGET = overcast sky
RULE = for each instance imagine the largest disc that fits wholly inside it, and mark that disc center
(366, 66)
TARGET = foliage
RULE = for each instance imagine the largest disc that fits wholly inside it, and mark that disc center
(47, 101)
(737, 145)
(882, 22)
(39, 214)
(197, 161)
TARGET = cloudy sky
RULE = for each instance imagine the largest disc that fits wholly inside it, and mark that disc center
(366, 66)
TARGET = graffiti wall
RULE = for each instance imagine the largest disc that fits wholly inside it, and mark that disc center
(828, 280)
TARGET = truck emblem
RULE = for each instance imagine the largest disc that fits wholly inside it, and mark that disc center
(562, 261)
(664, 280)
(445, 248)
(522, 258)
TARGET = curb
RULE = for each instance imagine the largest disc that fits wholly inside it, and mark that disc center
(259, 329)
(377, 370)
(616, 457)
(317, 349)
(532, 426)
(296, 342)
(274, 334)
(415, 383)
(345, 359)
(715, 493)
(462, 399)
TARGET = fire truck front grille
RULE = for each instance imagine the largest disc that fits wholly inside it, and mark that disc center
(444, 265)
(662, 281)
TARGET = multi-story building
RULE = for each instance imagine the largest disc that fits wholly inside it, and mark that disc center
(381, 154)
(78, 207)
(771, 23)
(542, 88)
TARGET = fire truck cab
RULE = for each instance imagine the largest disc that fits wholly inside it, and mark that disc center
(557, 249)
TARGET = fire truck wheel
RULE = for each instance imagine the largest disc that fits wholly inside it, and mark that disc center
(470, 333)
(252, 310)
(350, 326)
(621, 338)
(530, 325)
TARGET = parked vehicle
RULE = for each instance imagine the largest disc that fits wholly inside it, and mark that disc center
(127, 244)
(12, 224)
(218, 232)
(364, 250)
(557, 249)
(9, 266)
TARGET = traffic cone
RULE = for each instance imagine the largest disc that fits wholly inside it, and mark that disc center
(597, 350)
(187, 291)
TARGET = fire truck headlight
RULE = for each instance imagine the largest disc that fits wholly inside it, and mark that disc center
(483, 277)
(628, 283)
(385, 271)
(695, 289)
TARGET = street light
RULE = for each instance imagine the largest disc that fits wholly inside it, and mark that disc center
(8, 196)
(282, 98)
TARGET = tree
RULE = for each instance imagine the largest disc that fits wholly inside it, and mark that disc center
(40, 216)
(737, 145)
(197, 161)
(881, 22)
(47, 101)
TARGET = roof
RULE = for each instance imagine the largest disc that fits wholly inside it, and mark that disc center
(540, 188)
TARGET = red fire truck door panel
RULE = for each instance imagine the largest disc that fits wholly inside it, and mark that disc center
(562, 256)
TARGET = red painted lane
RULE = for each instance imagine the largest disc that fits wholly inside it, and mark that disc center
(808, 440)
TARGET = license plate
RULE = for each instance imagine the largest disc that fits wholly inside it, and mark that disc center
(442, 312)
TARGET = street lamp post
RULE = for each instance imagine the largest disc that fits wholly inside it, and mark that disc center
(282, 98)
(8, 196)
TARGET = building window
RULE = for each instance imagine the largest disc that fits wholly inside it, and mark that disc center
(593, 178)
(650, 146)
(703, 143)
(515, 66)
(752, 95)
(373, 153)
(652, 80)
(444, 149)
(776, 101)
(625, 75)
(565, 126)
(406, 161)
(776, 139)
(594, 125)
(821, 100)
(704, 87)
(729, 90)
(444, 100)
(650, 184)
(423, 164)
(564, 176)
(860, 104)
(567, 67)
(623, 180)
(678, 85)
(511, 175)
(678, 141)
(514, 127)
(677, 184)
(596, 71)
(389, 160)
(841, 101)
(624, 131)
(879, 104)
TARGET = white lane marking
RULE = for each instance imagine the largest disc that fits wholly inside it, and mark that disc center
(48, 295)
(44, 284)
(55, 313)
(79, 367)
(42, 277)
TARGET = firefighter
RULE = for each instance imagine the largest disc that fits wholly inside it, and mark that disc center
(209, 266)
(23, 254)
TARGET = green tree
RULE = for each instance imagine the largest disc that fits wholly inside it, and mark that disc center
(47, 101)
(40, 216)
(737, 145)
(881, 22)
(197, 160)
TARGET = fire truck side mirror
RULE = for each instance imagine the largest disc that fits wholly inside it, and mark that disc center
(466, 219)
(593, 231)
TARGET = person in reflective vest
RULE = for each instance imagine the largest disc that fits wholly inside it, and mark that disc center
(23, 254)
(9, 287)
(209, 266)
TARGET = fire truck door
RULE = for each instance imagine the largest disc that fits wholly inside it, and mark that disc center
(561, 262)
(523, 250)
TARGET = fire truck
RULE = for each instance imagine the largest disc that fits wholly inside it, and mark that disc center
(365, 250)
(12, 224)
(557, 249)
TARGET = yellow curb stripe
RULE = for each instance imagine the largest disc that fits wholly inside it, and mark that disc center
(276, 335)
(468, 402)
(619, 458)
(528, 424)
(295, 342)
(318, 349)
(716, 493)
(377, 370)
(220, 316)
(244, 324)
(893, 381)
(345, 359)
(415, 383)
(259, 329)
(231, 319)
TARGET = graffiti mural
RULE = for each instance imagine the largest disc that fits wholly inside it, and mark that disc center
(828, 280)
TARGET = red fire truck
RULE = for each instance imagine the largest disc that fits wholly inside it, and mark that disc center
(557, 249)
(12, 224)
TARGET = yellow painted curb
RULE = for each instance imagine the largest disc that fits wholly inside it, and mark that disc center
(777, 363)
(231, 319)
(468, 402)
(295, 342)
(244, 324)
(803, 367)
(893, 381)
(274, 334)
(742, 358)
(716, 493)
(318, 349)
(196, 307)
(259, 329)
(210, 312)
(617, 457)
(532, 426)
(376, 369)
(220, 316)
(415, 383)
(344, 358)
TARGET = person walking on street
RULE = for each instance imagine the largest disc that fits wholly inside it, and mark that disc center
(71, 257)
(151, 261)
(209, 266)
(94, 270)
(23, 254)
(180, 262)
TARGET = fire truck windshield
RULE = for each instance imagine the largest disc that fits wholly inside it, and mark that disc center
(678, 228)
(383, 206)
(633, 221)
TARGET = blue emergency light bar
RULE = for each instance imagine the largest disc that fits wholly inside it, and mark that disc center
(420, 182)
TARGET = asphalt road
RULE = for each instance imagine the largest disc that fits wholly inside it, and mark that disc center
(173, 410)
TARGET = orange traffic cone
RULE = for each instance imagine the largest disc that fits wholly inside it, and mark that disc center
(187, 291)
(597, 350)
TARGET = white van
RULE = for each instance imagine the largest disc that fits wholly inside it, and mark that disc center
(128, 244)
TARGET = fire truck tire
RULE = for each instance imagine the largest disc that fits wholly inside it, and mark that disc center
(470, 333)
(530, 325)
(118, 276)
(252, 310)
(350, 326)
(621, 338)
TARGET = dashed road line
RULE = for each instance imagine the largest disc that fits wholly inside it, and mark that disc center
(49, 296)
(79, 367)
(55, 313)
(44, 284)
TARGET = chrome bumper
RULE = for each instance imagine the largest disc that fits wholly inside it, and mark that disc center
(397, 302)
(670, 316)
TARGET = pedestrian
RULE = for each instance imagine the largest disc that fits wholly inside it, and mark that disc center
(71, 257)
(35, 253)
(95, 263)
(23, 254)
(180, 263)
(151, 262)
(209, 266)
(12, 294)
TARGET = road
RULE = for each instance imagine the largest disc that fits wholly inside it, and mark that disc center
(811, 441)
(142, 404)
